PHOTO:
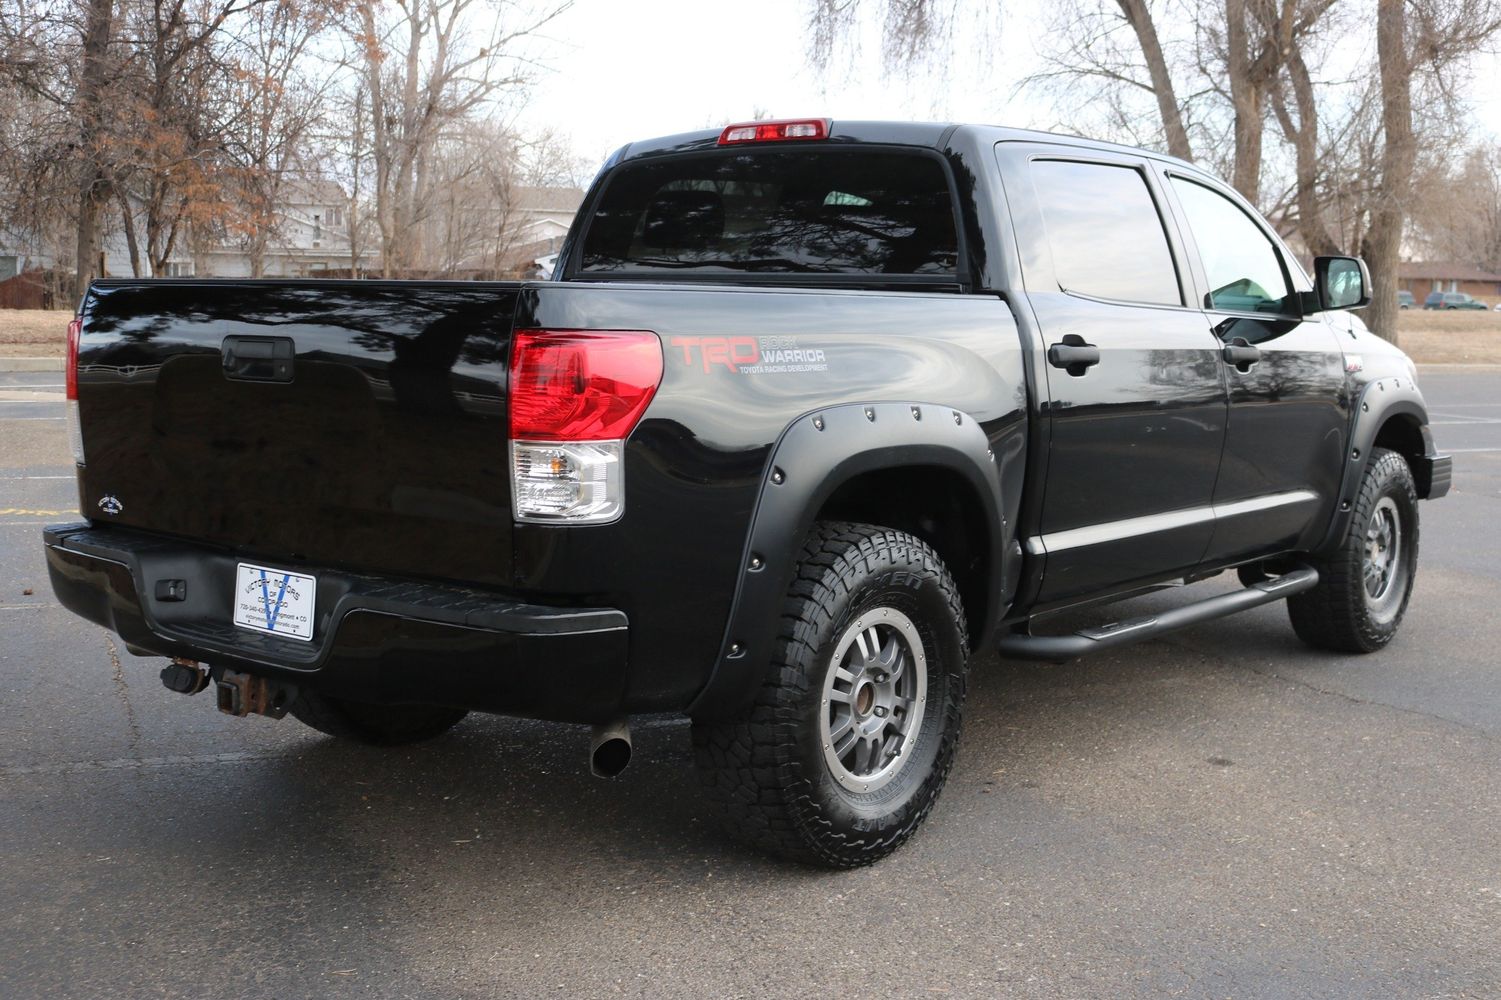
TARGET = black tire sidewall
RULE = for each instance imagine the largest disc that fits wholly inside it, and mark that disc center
(1388, 477)
(928, 599)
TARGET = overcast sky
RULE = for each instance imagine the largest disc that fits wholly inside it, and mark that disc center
(629, 69)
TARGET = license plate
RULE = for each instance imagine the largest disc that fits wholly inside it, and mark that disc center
(274, 601)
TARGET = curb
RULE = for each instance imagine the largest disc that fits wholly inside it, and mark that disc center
(31, 364)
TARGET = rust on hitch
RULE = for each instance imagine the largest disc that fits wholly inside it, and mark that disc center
(243, 694)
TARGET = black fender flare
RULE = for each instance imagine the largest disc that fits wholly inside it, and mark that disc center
(813, 457)
(1380, 400)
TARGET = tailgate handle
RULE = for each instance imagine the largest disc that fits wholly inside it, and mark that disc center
(259, 359)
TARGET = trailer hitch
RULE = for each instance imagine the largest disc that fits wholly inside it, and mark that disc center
(242, 694)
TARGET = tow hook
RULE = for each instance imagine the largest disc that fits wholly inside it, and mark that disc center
(184, 676)
(245, 694)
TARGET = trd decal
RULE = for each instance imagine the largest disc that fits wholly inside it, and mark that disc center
(749, 355)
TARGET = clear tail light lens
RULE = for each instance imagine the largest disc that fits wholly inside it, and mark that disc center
(75, 428)
(573, 481)
(575, 396)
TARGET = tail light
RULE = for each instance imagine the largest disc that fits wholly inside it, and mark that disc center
(775, 131)
(75, 428)
(575, 396)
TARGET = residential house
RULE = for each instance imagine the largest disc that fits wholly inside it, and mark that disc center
(1422, 277)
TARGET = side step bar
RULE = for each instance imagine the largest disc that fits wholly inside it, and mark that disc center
(1062, 648)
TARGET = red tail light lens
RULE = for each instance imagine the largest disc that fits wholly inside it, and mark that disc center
(781, 130)
(575, 385)
(75, 330)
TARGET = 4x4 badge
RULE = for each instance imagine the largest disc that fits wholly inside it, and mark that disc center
(110, 504)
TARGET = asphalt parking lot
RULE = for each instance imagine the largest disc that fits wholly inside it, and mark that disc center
(1221, 814)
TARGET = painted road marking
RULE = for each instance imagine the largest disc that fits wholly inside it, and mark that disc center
(27, 512)
(13, 396)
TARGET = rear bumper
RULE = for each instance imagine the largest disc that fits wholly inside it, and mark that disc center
(375, 639)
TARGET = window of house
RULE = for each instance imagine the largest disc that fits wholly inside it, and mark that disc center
(178, 269)
(9, 266)
(1241, 262)
(1105, 232)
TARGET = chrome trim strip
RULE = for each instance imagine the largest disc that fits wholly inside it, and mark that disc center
(1132, 527)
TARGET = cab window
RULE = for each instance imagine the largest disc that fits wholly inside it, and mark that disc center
(1243, 267)
(1105, 233)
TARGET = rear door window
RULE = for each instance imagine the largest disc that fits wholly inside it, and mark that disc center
(776, 211)
(1105, 232)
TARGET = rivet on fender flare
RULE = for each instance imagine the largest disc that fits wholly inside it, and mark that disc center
(870, 414)
(818, 423)
(778, 476)
(916, 413)
(958, 417)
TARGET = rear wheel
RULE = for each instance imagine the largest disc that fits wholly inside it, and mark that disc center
(376, 725)
(1364, 585)
(854, 729)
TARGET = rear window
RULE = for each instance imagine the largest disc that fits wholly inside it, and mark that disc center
(777, 211)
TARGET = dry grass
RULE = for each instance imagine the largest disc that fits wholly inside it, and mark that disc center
(1429, 337)
(1450, 337)
(34, 332)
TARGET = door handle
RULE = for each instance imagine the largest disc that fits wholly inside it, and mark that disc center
(1241, 354)
(1073, 355)
(258, 359)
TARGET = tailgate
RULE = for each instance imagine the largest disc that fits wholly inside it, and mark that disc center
(351, 424)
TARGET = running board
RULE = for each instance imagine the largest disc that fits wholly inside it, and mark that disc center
(1061, 648)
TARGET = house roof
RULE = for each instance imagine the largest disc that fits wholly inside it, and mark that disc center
(1444, 271)
(548, 199)
(306, 190)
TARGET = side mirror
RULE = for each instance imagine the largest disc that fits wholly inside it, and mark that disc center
(1342, 282)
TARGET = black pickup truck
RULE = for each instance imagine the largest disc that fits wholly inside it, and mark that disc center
(811, 413)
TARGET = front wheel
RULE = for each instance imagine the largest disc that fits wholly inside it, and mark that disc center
(1364, 585)
(854, 729)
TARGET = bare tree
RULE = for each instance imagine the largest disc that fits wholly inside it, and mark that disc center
(1457, 209)
(276, 97)
(425, 74)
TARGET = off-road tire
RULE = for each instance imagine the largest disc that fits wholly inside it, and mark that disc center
(374, 725)
(1339, 614)
(767, 775)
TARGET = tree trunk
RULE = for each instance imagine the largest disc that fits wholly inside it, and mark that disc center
(380, 134)
(1398, 157)
(94, 190)
(1304, 136)
(1140, 19)
(128, 225)
(1245, 98)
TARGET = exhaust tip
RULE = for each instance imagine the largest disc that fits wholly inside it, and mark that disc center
(610, 749)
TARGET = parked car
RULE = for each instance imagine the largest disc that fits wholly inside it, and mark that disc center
(812, 414)
(1405, 300)
(1452, 300)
